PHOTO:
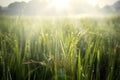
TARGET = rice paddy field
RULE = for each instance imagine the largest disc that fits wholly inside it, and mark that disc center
(59, 48)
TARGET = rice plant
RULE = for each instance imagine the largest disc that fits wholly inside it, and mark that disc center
(59, 48)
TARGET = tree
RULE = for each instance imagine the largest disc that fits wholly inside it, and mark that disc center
(0, 9)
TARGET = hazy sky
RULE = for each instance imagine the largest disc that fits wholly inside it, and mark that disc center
(101, 2)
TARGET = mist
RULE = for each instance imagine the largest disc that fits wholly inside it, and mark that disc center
(71, 8)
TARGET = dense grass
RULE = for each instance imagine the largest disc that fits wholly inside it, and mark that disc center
(59, 48)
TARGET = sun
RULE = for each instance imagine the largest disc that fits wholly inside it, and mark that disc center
(93, 2)
(60, 4)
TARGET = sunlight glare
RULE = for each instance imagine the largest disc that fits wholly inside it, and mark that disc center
(93, 2)
(60, 4)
